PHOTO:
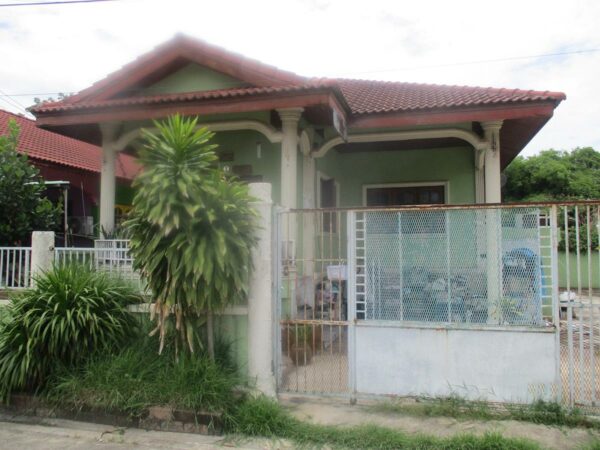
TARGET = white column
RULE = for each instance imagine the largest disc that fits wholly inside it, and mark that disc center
(108, 177)
(493, 220)
(42, 253)
(289, 155)
(260, 301)
(308, 218)
(492, 161)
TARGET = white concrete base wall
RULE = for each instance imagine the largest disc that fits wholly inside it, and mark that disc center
(492, 365)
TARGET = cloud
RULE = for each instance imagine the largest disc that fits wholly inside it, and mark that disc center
(66, 48)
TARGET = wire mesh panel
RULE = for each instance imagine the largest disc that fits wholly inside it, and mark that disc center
(312, 298)
(468, 266)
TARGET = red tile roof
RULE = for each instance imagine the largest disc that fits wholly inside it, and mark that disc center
(360, 96)
(367, 97)
(185, 96)
(55, 148)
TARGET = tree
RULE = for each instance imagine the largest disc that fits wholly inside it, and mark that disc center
(192, 230)
(554, 175)
(24, 209)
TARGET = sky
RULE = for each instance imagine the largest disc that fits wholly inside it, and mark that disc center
(65, 48)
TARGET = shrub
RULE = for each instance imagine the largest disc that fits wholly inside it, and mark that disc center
(192, 229)
(71, 313)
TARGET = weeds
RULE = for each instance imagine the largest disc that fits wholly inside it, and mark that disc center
(137, 377)
(264, 417)
(541, 412)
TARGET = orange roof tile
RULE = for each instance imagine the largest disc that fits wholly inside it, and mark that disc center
(52, 147)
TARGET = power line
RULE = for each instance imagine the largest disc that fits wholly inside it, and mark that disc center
(463, 63)
(13, 103)
(64, 2)
(482, 61)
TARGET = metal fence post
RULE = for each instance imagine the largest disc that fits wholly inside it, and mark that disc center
(351, 274)
(554, 288)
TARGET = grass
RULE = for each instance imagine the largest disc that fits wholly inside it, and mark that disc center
(136, 378)
(264, 417)
(540, 412)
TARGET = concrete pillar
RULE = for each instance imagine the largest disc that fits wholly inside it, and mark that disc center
(492, 161)
(289, 155)
(308, 218)
(108, 177)
(42, 253)
(260, 298)
(493, 220)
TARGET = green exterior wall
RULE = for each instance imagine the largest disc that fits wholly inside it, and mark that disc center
(562, 270)
(243, 145)
(354, 170)
(193, 77)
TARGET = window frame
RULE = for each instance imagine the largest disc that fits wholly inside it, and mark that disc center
(444, 184)
(323, 176)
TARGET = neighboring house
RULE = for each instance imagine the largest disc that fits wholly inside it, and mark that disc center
(60, 158)
(320, 142)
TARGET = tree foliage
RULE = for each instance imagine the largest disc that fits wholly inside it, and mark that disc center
(192, 229)
(24, 209)
(554, 175)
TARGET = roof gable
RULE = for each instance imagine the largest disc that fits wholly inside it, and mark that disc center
(172, 56)
(192, 78)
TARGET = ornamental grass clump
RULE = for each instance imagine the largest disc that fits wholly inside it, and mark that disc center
(70, 314)
(192, 231)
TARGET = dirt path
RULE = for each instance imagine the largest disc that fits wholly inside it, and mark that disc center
(334, 412)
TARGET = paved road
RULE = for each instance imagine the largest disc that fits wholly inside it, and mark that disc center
(18, 432)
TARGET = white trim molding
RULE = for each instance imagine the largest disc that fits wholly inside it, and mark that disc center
(468, 136)
(446, 185)
(268, 131)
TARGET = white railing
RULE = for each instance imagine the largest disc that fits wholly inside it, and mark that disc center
(15, 267)
(111, 256)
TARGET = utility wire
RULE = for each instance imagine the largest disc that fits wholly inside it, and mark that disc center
(13, 103)
(65, 2)
(482, 61)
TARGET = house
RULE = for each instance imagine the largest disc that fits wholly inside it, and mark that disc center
(397, 271)
(320, 142)
(60, 158)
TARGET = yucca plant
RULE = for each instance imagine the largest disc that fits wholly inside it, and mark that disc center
(192, 230)
(71, 313)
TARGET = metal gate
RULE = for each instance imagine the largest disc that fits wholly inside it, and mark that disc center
(312, 303)
(338, 271)
(579, 226)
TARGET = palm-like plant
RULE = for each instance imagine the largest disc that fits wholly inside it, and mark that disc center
(192, 230)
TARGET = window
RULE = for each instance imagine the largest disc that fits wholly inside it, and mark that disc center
(328, 198)
(405, 195)
(413, 222)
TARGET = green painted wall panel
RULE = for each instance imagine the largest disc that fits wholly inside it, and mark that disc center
(354, 170)
(243, 145)
(193, 77)
(562, 270)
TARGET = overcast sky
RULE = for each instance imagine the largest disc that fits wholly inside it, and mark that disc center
(65, 48)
